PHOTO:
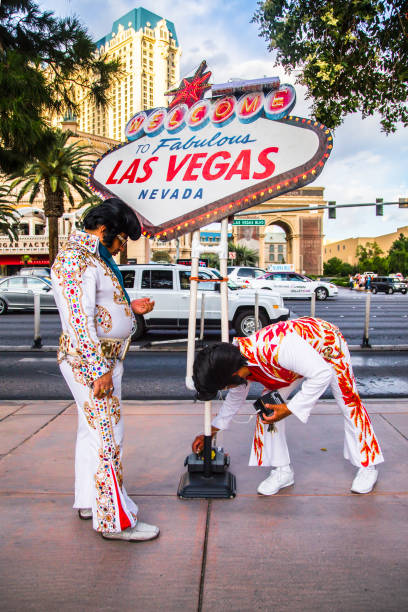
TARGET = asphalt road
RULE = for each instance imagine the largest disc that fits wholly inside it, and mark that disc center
(161, 375)
(388, 321)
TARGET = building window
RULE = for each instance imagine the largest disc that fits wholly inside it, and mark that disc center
(280, 248)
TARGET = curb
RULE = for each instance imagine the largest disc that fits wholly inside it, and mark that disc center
(137, 349)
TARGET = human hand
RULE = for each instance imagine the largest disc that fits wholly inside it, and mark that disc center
(142, 305)
(280, 411)
(198, 444)
(103, 386)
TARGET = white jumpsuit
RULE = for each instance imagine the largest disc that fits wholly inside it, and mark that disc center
(92, 306)
(308, 354)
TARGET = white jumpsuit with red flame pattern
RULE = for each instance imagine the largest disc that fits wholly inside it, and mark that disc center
(311, 354)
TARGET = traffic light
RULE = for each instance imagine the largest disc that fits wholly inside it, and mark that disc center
(379, 208)
(403, 202)
(332, 210)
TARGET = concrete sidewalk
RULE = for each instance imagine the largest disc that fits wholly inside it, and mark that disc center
(313, 547)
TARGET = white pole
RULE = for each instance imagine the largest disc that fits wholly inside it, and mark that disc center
(224, 287)
(366, 341)
(256, 311)
(313, 305)
(195, 254)
(37, 335)
(202, 315)
(207, 418)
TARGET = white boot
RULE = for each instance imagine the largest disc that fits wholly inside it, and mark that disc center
(279, 478)
(365, 480)
(85, 513)
(139, 533)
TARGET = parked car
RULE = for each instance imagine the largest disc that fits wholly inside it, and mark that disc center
(243, 275)
(17, 293)
(292, 285)
(168, 285)
(388, 284)
(34, 272)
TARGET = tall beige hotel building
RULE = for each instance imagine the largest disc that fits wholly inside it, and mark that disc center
(147, 47)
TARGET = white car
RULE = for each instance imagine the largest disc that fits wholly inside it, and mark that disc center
(169, 286)
(292, 285)
(244, 275)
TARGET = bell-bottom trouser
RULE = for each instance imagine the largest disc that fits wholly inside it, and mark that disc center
(361, 447)
(98, 454)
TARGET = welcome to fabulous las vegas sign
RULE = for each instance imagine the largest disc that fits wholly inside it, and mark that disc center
(202, 159)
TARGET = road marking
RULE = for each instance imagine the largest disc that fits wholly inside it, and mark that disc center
(37, 359)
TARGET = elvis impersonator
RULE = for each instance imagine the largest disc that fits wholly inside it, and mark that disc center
(97, 320)
(306, 354)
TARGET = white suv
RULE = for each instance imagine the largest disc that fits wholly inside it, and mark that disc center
(244, 275)
(292, 285)
(169, 286)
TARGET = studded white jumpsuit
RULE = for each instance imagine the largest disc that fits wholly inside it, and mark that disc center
(92, 306)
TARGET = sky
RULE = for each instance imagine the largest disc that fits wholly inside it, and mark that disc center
(365, 163)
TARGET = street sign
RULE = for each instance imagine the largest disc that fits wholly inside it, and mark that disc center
(248, 222)
(191, 164)
(232, 255)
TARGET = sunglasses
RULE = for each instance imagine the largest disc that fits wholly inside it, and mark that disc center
(122, 240)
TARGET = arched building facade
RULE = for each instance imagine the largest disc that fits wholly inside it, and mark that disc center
(303, 230)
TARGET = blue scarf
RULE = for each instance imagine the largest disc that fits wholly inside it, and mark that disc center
(108, 259)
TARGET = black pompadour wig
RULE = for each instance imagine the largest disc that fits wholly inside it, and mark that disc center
(117, 217)
(214, 368)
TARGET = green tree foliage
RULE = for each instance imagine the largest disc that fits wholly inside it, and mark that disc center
(332, 267)
(398, 255)
(244, 256)
(60, 172)
(369, 258)
(42, 60)
(337, 267)
(8, 215)
(161, 256)
(213, 260)
(351, 54)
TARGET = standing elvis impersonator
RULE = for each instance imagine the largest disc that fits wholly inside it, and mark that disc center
(308, 354)
(97, 320)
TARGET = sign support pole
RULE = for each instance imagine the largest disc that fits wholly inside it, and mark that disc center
(207, 477)
(224, 288)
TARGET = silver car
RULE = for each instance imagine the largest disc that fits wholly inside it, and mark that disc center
(17, 293)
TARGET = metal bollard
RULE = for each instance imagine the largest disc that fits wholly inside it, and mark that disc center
(37, 335)
(256, 311)
(202, 316)
(366, 343)
(313, 304)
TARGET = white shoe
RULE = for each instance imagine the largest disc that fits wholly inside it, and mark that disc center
(139, 533)
(279, 478)
(85, 513)
(364, 480)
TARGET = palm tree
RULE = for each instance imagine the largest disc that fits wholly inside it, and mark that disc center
(8, 215)
(243, 256)
(62, 171)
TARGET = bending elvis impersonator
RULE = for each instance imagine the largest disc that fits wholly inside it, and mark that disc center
(97, 320)
(308, 353)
